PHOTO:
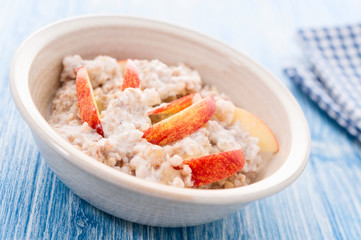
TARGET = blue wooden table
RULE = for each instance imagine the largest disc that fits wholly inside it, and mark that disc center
(324, 203)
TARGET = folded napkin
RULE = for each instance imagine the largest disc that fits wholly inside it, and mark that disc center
(332, 77)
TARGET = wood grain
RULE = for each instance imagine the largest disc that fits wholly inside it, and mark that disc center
(324, 203)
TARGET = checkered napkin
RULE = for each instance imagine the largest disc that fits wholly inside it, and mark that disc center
(332, 77)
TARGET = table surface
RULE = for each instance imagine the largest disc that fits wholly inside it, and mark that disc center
(325, 202)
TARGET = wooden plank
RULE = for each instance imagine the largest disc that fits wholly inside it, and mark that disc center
(324, 203)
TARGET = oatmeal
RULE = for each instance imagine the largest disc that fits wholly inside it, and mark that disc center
(129, 139)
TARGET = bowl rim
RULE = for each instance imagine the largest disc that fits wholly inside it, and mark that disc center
(19, 86)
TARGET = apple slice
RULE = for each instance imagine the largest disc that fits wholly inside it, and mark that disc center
(257, 128)
(155, 118)
(86, 101)
(122, 64)
(174, 106)
(215, 167)
(181, 124)
(131, 75)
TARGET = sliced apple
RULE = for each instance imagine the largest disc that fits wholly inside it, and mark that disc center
(181, 124)
(159, 117)
(131, 75)
(86, 101)
(122, 64)
(257, 128)
(215, 167)
(174, 106)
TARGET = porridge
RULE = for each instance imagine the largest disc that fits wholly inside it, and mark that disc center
(155, 122)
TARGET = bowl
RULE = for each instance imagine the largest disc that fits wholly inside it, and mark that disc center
(34, 78)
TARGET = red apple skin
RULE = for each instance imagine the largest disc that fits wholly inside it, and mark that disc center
(87, 105)
(181, 124)
(174, 106)
(215, 167)
(131, 75)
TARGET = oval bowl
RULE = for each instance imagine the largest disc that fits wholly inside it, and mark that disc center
(34, 78)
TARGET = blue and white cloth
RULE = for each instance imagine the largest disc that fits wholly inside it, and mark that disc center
(332, 78)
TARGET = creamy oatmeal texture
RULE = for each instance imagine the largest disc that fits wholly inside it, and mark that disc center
(124, 118)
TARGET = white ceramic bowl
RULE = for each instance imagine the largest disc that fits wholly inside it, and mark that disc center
(34, 78)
